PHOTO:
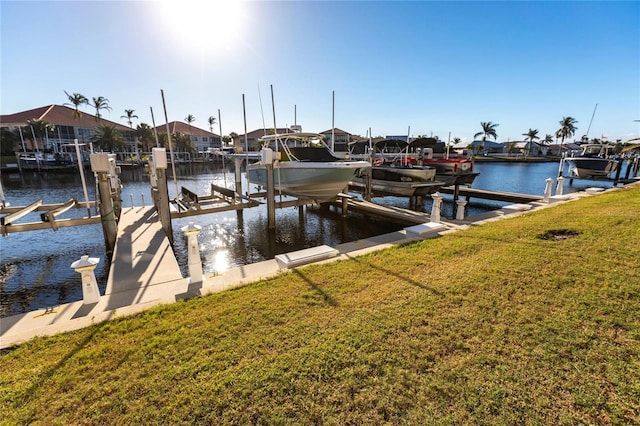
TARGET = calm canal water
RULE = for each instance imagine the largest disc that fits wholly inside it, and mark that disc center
(35, 267)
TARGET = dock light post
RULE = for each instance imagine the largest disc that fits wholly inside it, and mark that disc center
(547, 189)
(437, 205)
(460, 212)
(86, 266)
(559, 185)
(191, 231)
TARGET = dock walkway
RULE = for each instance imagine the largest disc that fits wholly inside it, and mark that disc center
(144, 272)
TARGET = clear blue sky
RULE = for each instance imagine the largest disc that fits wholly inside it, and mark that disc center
(437, 67)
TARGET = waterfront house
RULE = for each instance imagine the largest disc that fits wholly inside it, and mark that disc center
(201, 139)
(67, 128)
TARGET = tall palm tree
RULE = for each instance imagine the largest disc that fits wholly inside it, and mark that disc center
(190, 119)
(567, 128)
(488, 129)
(531, 135)
(76, 100)
(129, 116)
(144, 133)
(211, 120)
(100, 103)
(108, 138)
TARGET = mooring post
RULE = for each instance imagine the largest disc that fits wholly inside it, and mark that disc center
(560, 185)
(86, 266)
(267, 160)
(460, 212)
(191, 231)
(237, 162)
(435, 208)
(547, 189)
(160, 162)
(108, 215)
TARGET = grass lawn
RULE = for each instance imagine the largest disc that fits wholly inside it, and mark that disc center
(530, 320)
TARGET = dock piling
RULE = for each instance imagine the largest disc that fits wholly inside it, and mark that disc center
(100, 165)
(191, 231)
(547, 189)
(437, 205)
(86, 266)
(460, 211)
(560, 185)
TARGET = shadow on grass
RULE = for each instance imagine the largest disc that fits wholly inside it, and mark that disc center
(328, 299)
(395, 274)
(49, 372)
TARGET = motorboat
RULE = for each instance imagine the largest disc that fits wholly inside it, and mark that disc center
(398, 179)
(303, 166)
(593, 162)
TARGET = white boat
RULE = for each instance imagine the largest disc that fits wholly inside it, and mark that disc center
(304, 166)
(593, 162)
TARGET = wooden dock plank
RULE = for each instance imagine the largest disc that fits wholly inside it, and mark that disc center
(509, 197)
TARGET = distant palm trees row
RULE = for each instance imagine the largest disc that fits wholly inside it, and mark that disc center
(567, 129)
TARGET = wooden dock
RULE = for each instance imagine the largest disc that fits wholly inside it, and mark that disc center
(508, 197)
(386, 212)
(142, 258)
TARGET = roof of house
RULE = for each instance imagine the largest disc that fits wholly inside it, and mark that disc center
(59, 115)
(184, 128)
(336, 131)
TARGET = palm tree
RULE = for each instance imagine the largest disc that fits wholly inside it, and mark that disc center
(212, 121)
(100, 103)
(144, 133)
(567, 128)
(108, 138)
(235, 138)
(547, 139)
(488, 129)
(183, 142)
(190, 119)
(530, 135)
(76, 100)
(129, 116)
(40, 129)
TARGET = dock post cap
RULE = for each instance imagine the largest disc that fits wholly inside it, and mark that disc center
(191, 227)
(85, 261)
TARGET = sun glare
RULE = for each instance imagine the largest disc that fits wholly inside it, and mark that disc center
(203, 24)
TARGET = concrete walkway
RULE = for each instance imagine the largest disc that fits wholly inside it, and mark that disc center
(144, 272)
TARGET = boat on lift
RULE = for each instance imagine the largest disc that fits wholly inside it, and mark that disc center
(593, 162)
(303, 166)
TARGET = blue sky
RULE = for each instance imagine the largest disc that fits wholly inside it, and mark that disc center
(436, 67)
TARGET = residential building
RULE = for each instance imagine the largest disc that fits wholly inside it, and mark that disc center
(67, 127)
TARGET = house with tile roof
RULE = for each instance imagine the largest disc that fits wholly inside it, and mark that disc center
(68, 127)
(202, 139)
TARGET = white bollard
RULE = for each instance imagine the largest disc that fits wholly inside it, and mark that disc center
(142, 196)
(195, 264)
(131, 200)
(437, 205)
(547, 189)
(559, 185)
(85, 266)
(460, 212)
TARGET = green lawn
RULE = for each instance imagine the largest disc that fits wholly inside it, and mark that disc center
(530, 320)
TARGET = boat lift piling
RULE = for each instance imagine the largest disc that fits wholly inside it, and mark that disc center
(161, 197)
(109, 213)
